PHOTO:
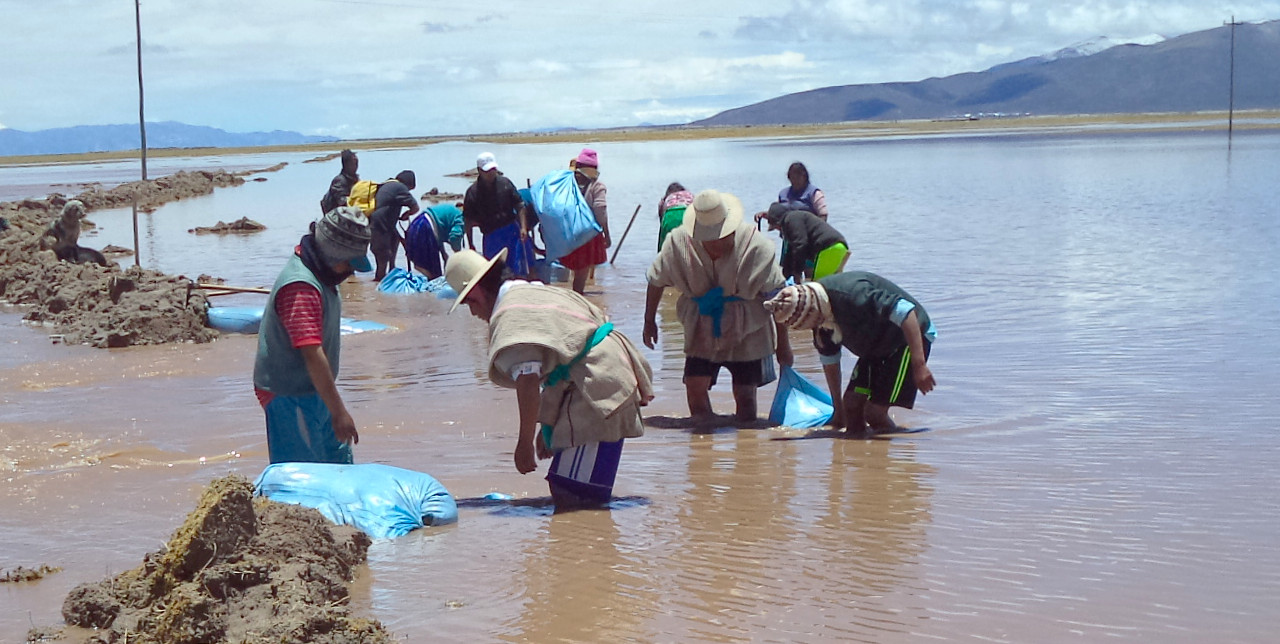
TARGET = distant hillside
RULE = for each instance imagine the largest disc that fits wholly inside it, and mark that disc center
(1184, 74)
(168, 134)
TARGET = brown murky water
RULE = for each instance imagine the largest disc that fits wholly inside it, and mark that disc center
(1100, 463)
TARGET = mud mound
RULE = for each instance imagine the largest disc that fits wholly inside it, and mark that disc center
(239, 569)
(435, 196)
(241, 225)
(104, 306)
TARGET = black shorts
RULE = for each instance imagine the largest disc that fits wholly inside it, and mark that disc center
(745, 373)
(888, 381)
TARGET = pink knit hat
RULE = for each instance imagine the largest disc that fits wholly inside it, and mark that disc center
(587, 157)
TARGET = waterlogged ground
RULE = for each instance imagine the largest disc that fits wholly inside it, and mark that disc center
(1098, 463)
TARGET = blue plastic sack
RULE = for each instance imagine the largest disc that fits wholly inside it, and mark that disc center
(400, 281)
(563, 214)
(248, 319)
(799, 403)
(381, 500)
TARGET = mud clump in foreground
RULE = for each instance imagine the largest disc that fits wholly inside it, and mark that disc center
(240, 569)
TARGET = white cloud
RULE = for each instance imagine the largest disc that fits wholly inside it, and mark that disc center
(371, 68)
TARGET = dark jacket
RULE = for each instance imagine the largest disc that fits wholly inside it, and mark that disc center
(392, 196)
(862, 304)
(491, 208)
(339, 188)
(804, 235)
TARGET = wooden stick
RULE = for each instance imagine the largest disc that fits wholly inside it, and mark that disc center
(234, 289)
(624, 234)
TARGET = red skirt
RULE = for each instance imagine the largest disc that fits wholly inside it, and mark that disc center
(587, 255)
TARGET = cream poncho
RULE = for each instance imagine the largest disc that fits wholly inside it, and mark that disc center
(601, 399)
(750, 270)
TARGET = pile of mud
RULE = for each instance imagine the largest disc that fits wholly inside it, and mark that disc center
(241, 225)
(240, 569)
(104, 306)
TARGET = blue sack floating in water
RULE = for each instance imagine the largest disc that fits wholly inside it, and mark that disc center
(248, 319)
(799, 403)
(381, 500)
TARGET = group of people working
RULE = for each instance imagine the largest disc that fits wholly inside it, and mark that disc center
(503, 214)
(580, 383)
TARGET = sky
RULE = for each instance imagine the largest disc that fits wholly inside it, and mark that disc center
(402, 68)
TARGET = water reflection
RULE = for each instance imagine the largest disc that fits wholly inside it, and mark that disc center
(578, 585)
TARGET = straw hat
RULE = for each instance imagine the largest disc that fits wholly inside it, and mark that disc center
(713, 215)
(464, 270)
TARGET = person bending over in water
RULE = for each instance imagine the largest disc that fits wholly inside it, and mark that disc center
(574, 375)
(879, 322)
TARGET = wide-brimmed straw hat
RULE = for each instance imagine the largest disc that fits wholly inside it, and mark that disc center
(464, 270)
(712, 215)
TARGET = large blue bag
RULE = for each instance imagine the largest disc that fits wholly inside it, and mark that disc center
(799, 403)
(398, 280)
(564, 215)
(248, 319)
(382, 500)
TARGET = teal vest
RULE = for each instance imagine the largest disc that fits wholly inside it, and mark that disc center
(279, 367)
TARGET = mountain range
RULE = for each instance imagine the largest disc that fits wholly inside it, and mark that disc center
(1188, 73)
(166, 134)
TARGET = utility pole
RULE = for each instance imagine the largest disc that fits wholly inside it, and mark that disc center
(142, 121)
(1231, 92)
(142, 130)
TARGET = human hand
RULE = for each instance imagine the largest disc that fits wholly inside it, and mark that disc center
(608, 241)
(544, 452)
(525, 461)
(837, 416)
(344, 428)
(923, 377)
(650, 333)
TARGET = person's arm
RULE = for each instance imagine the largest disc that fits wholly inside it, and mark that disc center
(797, 243)
(344, 428)
(408, 203)
(468, 221)
(829, 354)
(915, 342)
(529, 397)
(651, 300)
(785, 357)
(600, 208)
(820, 204)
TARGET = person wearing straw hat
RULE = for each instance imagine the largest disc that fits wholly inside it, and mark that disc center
(299, 342)
(724, 268)
(879, 322)
(579, 383)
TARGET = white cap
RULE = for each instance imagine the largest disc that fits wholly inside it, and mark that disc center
(486, 161)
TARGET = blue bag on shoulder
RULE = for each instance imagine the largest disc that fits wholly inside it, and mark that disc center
(382, 500)
(564, 215)
(799, 403)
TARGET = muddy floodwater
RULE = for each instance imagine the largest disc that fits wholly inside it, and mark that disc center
(1100, 462)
